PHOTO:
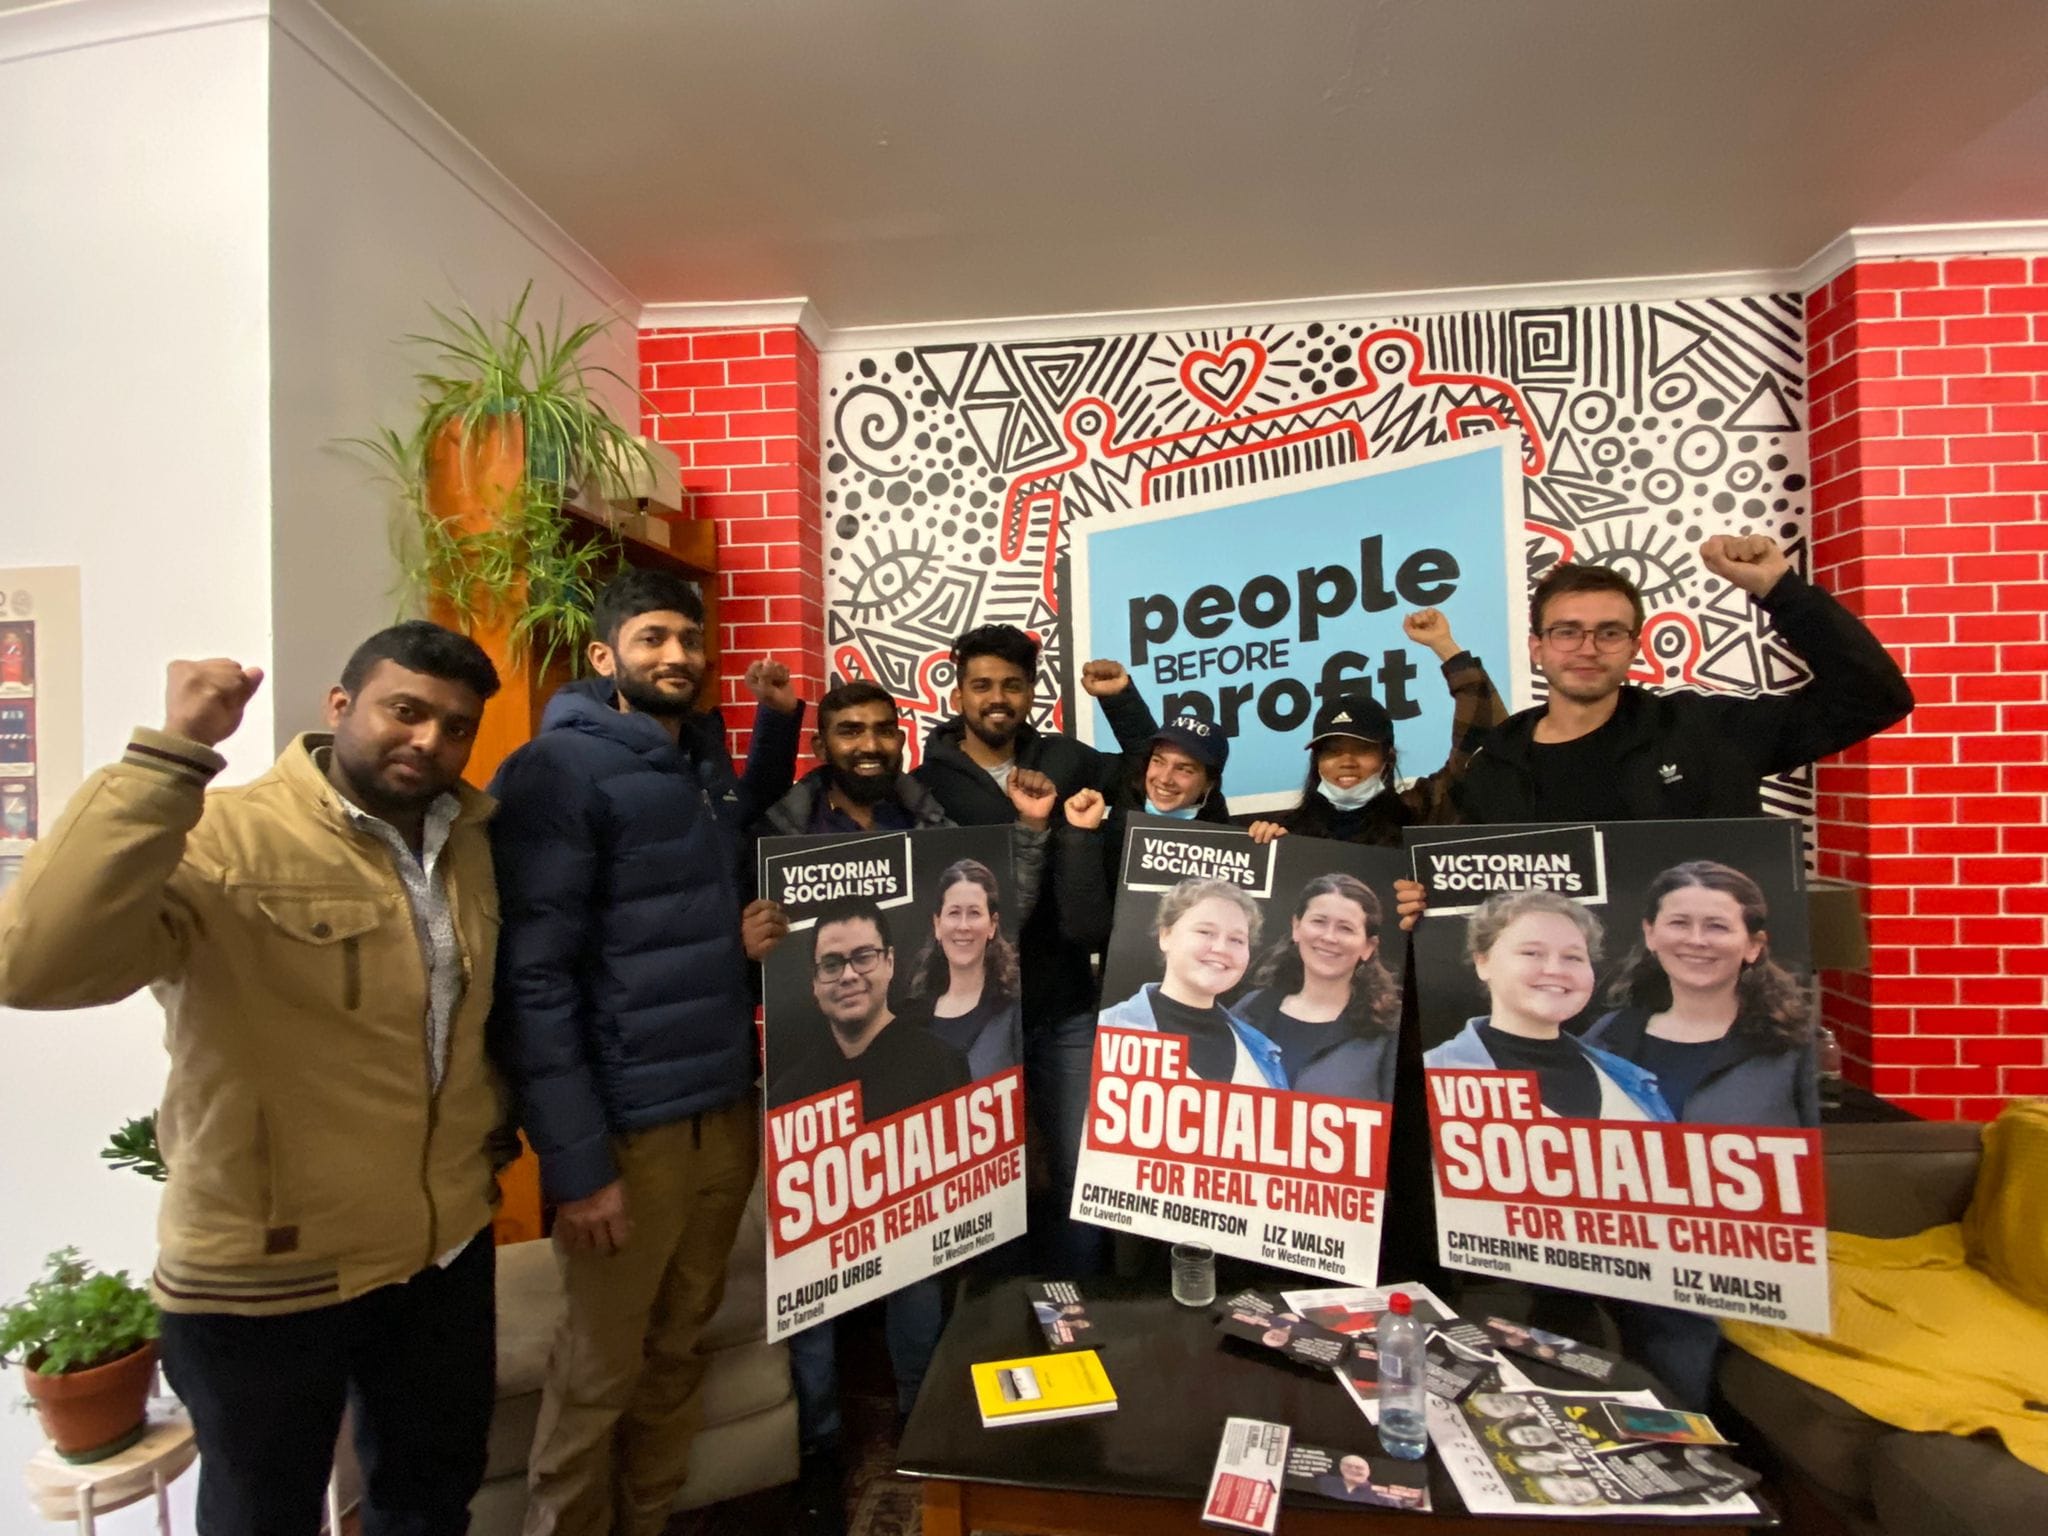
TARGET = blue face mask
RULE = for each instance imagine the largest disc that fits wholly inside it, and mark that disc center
(1360, 794)
(1185, 813)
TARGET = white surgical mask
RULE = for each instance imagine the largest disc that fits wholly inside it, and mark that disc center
(1185, 813)
(1357, 795)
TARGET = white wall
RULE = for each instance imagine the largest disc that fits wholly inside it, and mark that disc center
(378, 211)
(133, 278)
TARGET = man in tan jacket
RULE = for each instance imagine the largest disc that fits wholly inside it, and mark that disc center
(323, 943)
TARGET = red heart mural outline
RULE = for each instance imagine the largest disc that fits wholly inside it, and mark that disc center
(1251, 357)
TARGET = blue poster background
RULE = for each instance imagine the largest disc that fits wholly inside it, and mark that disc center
(1134, 578)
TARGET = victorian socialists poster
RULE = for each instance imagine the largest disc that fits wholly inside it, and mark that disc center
(1617, 1029)
(1244, 1054)
(894, 1137)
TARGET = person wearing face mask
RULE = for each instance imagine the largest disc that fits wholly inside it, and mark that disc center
(1324, 997)
(1534, 952)
(1350, 794)
(1727, 1030)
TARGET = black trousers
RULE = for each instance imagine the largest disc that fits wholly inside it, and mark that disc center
(417, 1362)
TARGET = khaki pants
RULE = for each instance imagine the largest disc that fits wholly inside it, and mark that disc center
(619, 1408)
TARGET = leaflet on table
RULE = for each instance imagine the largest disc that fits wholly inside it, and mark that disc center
(1550, 1453)
(1355, 1477)
(1617, 1022)
(1446, 1371)
(893, 1145)
(1260, 1319)
(1244, 1489)
(1551, 1348)
(1244, 1056)
(1062, 1315)
(1674, 1426)
(1355, 1309)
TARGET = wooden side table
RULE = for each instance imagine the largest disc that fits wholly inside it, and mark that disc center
(61, 1491)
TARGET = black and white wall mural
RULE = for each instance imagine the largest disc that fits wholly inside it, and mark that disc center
(953, 472)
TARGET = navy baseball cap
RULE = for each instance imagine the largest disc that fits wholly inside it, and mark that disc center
(1200, 739)
(1354, 714)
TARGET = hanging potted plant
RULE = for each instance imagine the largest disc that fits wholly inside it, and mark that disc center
(86, 1345)
(509, 430)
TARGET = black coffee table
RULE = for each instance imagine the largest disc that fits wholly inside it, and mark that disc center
(1145, 1467)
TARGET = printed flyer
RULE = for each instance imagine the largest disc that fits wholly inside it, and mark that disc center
(887, 1156)
(1244, 1055)
(1618, 1033)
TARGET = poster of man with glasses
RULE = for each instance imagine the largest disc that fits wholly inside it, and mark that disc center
(895, 1127)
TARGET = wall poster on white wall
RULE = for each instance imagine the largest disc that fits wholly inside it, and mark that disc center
(40, 738)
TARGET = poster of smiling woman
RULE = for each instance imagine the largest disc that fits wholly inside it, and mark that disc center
(1618, 1051)
(1244, 1054)
(894, 1136)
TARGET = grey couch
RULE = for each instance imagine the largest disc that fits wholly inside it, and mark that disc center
(1888, 1181)
(748, 1440)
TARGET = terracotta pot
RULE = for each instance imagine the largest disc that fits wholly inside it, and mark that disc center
(91, 1414)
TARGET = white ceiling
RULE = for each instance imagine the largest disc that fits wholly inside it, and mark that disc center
(922, 160)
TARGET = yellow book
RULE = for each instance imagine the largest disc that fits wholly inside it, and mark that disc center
(1041, 1387)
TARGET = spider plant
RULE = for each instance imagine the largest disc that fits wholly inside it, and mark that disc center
(530, 567)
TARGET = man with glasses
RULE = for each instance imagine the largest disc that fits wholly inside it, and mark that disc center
(852, 967)
(1604, 749)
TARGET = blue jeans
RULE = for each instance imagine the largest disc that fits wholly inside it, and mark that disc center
(1678, 1348)
(1057, 1063)
(912, 1319)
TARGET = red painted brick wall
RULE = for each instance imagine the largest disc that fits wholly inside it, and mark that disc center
(740, 409)
(1930, 466)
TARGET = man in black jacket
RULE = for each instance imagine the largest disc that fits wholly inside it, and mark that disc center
(1603, 749)
(968, 761)
(625, 1024)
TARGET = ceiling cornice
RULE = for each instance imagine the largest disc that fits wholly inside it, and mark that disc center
(1877, 243)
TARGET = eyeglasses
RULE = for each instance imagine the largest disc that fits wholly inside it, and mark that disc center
(1605, 637)
(863, 961)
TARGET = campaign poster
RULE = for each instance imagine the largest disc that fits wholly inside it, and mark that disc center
(1618, 1048)
(894, 1133)
(41, 742)
(1243, 1073)
(1253, 605)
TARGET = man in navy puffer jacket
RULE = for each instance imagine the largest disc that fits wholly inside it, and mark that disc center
(624, 1022)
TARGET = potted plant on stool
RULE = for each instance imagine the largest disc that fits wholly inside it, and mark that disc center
(86, 1344)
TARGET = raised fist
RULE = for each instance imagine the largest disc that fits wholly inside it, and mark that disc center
(1428, 626)
(1086, 808)
(1034, 795)
(769, 682)
(1749, 561)
(1099, 679)
(204, 700)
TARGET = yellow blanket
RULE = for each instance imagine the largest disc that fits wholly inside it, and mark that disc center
(1922, 1341)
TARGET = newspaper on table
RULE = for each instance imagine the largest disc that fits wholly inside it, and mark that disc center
(1556, 1453)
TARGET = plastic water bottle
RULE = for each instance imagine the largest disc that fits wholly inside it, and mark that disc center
(1401, 1341)
(1828, 1067)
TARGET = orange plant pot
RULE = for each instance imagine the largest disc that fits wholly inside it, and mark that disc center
(90, 1415)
